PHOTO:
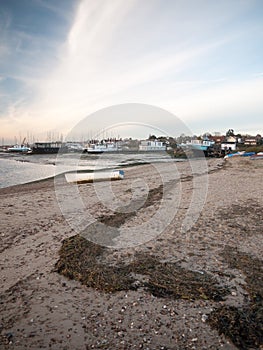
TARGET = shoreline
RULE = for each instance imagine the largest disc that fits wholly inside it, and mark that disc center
(41, 308)
(126, 166)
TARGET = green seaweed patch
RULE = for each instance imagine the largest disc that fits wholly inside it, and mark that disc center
(243, 326)
(82, 260)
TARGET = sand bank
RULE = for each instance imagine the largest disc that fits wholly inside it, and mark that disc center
(43, 309)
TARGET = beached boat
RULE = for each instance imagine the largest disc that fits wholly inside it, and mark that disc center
(19, 149)
(198, 145)
(239, 154)
(95, 176)
(259, 155)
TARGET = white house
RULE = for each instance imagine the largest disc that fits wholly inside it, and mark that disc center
(230, 144)
(152, 146)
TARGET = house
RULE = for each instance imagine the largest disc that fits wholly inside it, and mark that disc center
(250, 141)
(218, 139)
(229, 144)
(147, 145)
(253, 140)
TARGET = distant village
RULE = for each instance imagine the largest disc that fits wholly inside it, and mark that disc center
(216, 145)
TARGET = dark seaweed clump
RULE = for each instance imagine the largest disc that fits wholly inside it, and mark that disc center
(82, 260)
(117, 219)
(244, 326)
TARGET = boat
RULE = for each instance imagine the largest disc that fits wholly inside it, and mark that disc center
(83, 177)
(239, 154)
(75, 147)
(19, 149)
(150, 145)
(48, 147)
(248, 154)
(23, 148)
(97, 148)
(236, 154)
(258, 155)
(198, 145)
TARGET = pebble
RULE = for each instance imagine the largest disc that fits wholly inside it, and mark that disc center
(204, 317)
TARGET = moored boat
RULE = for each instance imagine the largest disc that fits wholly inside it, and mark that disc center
(19, 149)
(83, 177)
(97, 148)
(198, 145)
(49, 147)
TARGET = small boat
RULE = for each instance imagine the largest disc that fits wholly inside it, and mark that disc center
(19, 149)
(95, 176)
(198, 145)
(240, 154)
(97, 148)
(259, 155)
(248, 154)
(75, 147)
(231, 155)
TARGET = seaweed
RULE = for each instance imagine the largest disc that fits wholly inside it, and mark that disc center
(118, 218)
(81, 260)
(243, 326)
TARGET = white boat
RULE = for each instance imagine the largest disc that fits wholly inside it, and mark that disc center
(259, 155)
(149, 145)
(198, 145)
(95, 176)
(19, 148)
(96, 148)
(75, 147)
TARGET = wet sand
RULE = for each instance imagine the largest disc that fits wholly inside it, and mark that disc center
(40, 308)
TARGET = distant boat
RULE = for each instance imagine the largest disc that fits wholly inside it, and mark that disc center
(97, 148)
(48, 147)
(75, 147)
(198, 145)
(19, 149)
(150, 145)
(95, 176)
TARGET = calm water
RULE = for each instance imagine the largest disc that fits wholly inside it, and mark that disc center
(18, 169)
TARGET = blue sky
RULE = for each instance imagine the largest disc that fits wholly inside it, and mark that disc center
(60, 61)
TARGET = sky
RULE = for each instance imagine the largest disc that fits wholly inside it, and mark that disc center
(65, 61)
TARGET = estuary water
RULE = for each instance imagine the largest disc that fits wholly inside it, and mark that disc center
(18, 169)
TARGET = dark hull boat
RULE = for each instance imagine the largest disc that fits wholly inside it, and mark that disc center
(48, 147)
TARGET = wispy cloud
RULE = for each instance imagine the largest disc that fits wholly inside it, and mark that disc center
(184, 58)
(91, 74)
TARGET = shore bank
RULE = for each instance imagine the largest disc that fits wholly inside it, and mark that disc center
(41, 308)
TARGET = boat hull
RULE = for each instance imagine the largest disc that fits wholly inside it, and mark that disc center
(93, 177)
(240, 154)
(94, 151)
(19, 149)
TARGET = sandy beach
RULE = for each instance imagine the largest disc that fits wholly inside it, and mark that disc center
(41, 308)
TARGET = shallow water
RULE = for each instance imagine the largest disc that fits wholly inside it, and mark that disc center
(18, 169)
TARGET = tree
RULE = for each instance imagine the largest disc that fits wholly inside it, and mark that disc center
(230, 132)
